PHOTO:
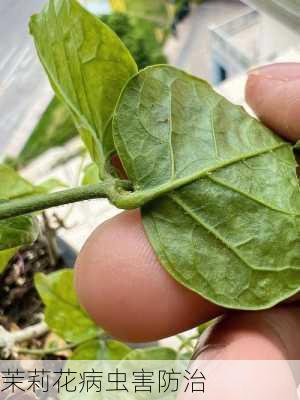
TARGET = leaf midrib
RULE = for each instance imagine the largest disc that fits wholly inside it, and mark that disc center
(141, 197)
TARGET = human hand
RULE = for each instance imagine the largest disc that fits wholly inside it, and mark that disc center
(122, 285)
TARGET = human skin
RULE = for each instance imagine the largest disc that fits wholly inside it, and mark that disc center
(122, 285)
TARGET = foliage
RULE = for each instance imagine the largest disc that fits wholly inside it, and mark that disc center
(54, 129)
(13, 185)
(56, 126)
(152, 353)
(101, 350)
(139, 37)
(159, 12)
(236, 183)
(195, 153)
(90, 175)
(6, 256)
(18, 231)
(84, 91)
(58, 294)
(22, 230)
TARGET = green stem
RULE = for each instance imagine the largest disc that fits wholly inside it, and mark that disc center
(26, 205)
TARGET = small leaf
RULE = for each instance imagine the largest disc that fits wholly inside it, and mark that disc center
(54, 129)
(151, 353)
(18, 231)
(12, 184)
(50, 185)
(6, 256)
(15, 232)
(101, 350)
(90, 175)
(87, 65)
(226, 219)
(63, 313)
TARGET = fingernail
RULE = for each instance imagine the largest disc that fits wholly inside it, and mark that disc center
(284, 72)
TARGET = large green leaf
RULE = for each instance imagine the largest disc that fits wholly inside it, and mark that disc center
(63, 313)
(226, 220)
(87, 65)
(54, 129)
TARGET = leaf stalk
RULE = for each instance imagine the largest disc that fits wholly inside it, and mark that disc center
(30, 204)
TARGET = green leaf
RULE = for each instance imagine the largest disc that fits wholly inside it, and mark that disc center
(87, 65)
(226, 219)
(157, 11)
(151, 353)
(63, 313)
(90, 175)
(139, 36)
(101, 350)
(17, 231)
(6, 256)
(50, 185)
(54, 129)
(12, 184)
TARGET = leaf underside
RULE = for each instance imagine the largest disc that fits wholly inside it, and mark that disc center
(229, 226)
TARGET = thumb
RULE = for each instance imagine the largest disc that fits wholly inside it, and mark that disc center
(273, 92)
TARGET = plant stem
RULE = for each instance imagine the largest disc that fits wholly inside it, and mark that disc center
(26, 205)
(53, 350)
(9, 339)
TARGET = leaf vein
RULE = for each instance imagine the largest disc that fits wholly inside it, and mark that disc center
(221, 239)
(245, 194)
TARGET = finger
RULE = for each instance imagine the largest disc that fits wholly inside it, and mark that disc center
(273, 92)
(124, 288)
(268, 335)
(262, 335)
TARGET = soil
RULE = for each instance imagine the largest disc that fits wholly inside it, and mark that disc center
(20, 304)
(19, 301)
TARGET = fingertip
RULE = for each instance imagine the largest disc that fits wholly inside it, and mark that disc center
(126, 291)
(254, 348)
(263, 335)
(273, 92)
